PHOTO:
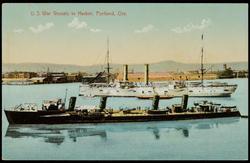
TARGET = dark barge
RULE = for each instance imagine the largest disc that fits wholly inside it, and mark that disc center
(54, 112)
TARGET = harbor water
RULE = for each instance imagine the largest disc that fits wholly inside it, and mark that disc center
(207, 139)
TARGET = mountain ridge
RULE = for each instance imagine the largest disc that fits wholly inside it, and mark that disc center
(162, 66)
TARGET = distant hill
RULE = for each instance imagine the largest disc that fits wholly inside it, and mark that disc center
(154, 67)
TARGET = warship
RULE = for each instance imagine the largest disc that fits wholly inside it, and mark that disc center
(55, 112)
(148, 89)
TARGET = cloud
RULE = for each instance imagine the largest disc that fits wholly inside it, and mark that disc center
(18, 30)
(75, 23)
(189, 27)
(95, 30)
(145, 29)
(41, 28)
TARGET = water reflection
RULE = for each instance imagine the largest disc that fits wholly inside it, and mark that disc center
(82, 132)
(185, 132)
(52, 134)
(184, 127)
(54, 139)
(216, 123)
(156, 132)
(57, 134)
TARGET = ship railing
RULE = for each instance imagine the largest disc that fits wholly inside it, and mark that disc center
(26, 107)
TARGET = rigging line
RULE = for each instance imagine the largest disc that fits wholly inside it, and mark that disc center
(98, 62)
(101, 61)
(97, 59)
(210, 68)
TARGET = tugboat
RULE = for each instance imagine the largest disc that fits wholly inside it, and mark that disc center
(56, 113)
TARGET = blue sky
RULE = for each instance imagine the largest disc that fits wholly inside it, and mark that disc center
(147, 33)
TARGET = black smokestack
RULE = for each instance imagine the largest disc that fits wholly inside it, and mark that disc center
(103, 102)
(184, 102)
(155, 102)
(72, 103)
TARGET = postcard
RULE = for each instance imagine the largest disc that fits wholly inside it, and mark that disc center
(124, 81)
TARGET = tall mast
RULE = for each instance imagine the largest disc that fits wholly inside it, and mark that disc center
(202, 69)
(108, 68)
